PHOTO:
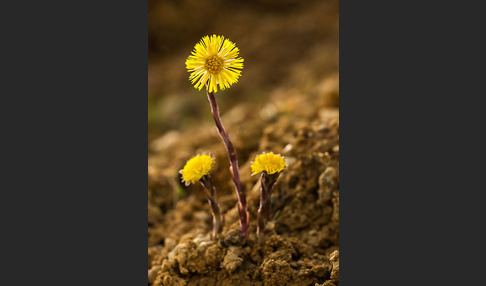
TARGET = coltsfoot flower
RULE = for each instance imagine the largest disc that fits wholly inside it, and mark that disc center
(269, 166)
(214, 61)
(268, 163)
(196, 168)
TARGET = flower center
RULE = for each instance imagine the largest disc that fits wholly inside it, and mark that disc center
(214, 64)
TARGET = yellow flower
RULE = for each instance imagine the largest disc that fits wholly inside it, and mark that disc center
(196, 168)
(268, 162)
(214, 61)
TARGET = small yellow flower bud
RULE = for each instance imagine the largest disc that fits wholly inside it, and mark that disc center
(269, 163)
(196, 168)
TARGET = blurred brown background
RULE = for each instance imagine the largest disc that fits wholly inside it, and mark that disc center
(286, 44)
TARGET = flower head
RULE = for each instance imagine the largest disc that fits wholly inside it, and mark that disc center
(214, 61)
(196, 168)
(268, 163)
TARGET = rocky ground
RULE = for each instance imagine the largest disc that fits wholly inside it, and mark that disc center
(303, 250)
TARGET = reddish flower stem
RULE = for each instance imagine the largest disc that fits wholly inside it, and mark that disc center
(266, 189)
(211, 196)
(235, 175)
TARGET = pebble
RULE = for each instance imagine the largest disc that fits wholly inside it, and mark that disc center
(165, 142)
(173, 252)
(152, 273)
(287, 148)
(323, 128)
(202, 215)
(170, 243)
(232, 260)
(290, 160)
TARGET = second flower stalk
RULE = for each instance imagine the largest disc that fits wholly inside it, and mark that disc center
(198, 169)
(269, 166)
(210, 192)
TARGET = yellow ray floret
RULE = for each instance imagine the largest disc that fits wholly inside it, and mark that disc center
(214, 61)
(269, 163)
(196, 168)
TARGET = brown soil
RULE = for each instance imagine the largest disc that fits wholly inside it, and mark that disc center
(286, 103)
(303, 247)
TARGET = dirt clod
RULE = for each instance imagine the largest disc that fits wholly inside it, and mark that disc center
(232, 259)
(334, 259)
(276, 272)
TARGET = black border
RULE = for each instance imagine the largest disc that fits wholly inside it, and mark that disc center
(74, 142)
(409, 121)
